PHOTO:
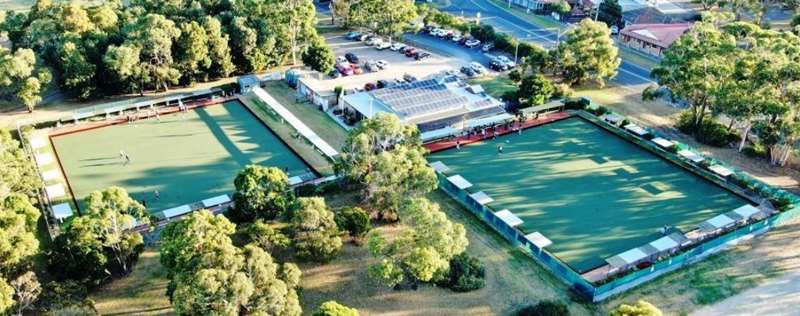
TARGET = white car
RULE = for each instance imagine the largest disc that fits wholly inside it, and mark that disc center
(506, 61)
(340, 59)
(396, 46)
(437, 32)
(382, 64)
(478, 68)
(374, 41)
(456, 38)
(472, 43)
(487, 47)
(382, 45)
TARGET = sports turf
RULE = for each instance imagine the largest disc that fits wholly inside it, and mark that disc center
(590, 192)
(187, 157)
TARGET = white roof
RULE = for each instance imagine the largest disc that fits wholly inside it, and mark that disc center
(664, 143)
(62, 211)
(44, 159)
(438, 133)
(645, 33)
(295, 180)
(51, 175)
(439, 166)
(636, 129)
(296, 123)
(688, 154)
(38, 142)
(459, 182)
(720, 221)
(481, 198)
(664, 243)
(613, 118)
(746, 211)
(489, 120)
(538, 239)
(509, 218)
(721, 170)
(177, 211)
(55, 191)
(217, 200)
(632, 255)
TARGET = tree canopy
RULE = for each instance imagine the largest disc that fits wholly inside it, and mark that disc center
(386, 157)
(587, 53)
(261, 192)
(640, 308)
(332, 308)
(316, 235)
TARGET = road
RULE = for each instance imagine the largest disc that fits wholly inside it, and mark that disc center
(502, 20)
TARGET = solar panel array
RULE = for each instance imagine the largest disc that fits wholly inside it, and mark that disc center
(420, 97)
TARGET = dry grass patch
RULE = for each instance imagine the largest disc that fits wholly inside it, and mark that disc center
(143, 292)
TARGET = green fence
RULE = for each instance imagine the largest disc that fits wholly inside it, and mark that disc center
(629, 279)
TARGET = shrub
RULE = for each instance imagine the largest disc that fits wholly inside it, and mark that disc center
(624, 123)
(757, 150)
(576, 104)
(598, 111)
(710, 132)
(511, 96)
(545, 308)
(354, 220)
(781, 203)
(563, 91)
(466, 274)
(332, 308)
(641, 308)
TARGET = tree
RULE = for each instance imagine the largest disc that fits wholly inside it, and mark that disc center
(332, 308)
(267, 237)
(17, 172)
(77, 74)
(154, 34)
(536, 90)
(260, 192)
(610, 12)
(385, 17)
(6, 296)
(354, 220)
(641, 308)
(423, 250)
(192, 47)
(316, 236)
(464, 274)
(123, 62)
(386, 157)
(707, 4)
(218, 50)
(561, 7)
(201, 240)
(18, 226)
(26, 291)
(545, 308)
(19, 77)
(319, 56)
(588, 53)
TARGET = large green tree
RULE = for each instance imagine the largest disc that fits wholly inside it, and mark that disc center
(193, 51)
(20, 79)
(18, 225)
(17, 172)
(422, 250)
(610, 12)
(154, 35)
(260, 192)
(385, 17)
(588, 53)
(316, 235)
(319, 56)
(386, 157)
(536, 90)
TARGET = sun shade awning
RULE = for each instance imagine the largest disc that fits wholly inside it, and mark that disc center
(662, 142)
(509, 218)
(636, 129)
(62, 211)
(538, 240)
(721, 170)
(481, 198)
(719, 221)
(177, 211)
(217, 200)
(692, 156)
(439, 166)
(626, 258)
(460, 182)
(747, 211)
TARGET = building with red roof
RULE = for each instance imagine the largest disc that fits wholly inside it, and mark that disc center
(652, 38)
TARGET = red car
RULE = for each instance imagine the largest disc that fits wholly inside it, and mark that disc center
(344, 69)
(370, 86)
(357, 69)
(411, 52)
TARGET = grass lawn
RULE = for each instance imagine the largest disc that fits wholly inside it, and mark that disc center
(143, 292)
(590, 192)
(513, 280)
(187, 157)
(495, 86)
(543, 21)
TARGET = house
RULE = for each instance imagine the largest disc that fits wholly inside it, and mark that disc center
(652, 39)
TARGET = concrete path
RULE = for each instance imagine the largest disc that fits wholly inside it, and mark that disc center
(780, 296)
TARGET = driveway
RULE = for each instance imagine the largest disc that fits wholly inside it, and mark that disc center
(502, 20)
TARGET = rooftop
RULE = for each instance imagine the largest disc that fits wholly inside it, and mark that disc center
(660, 34)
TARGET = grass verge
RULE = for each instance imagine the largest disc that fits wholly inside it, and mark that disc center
(143, 292)
(495, 86)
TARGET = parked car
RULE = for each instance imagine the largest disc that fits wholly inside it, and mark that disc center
(409, 78)
(340, 59)
(351, 58)
(436, 32)
(374, 41)
(421, 55)
(357, 69)
(411, 52)
(406, 49)
(428, 28)
(472, 43)
(497, 65)
(334, 74)
(506, 62)
(468, 71)
(383, 84)
(370, 86)
(364, 37)
(487, 47)
(353, 36)
(456, 38)
(382, 45)
(371, 66)
(382, 64)
(478, 68)
(344, 69)
(464, 40)
(397, 46)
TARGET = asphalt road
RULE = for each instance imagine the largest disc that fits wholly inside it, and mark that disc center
(502, 20)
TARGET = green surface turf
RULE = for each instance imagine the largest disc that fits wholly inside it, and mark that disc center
(590, 192)
(187, 157)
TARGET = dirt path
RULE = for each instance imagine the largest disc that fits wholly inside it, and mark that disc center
(779, 296)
